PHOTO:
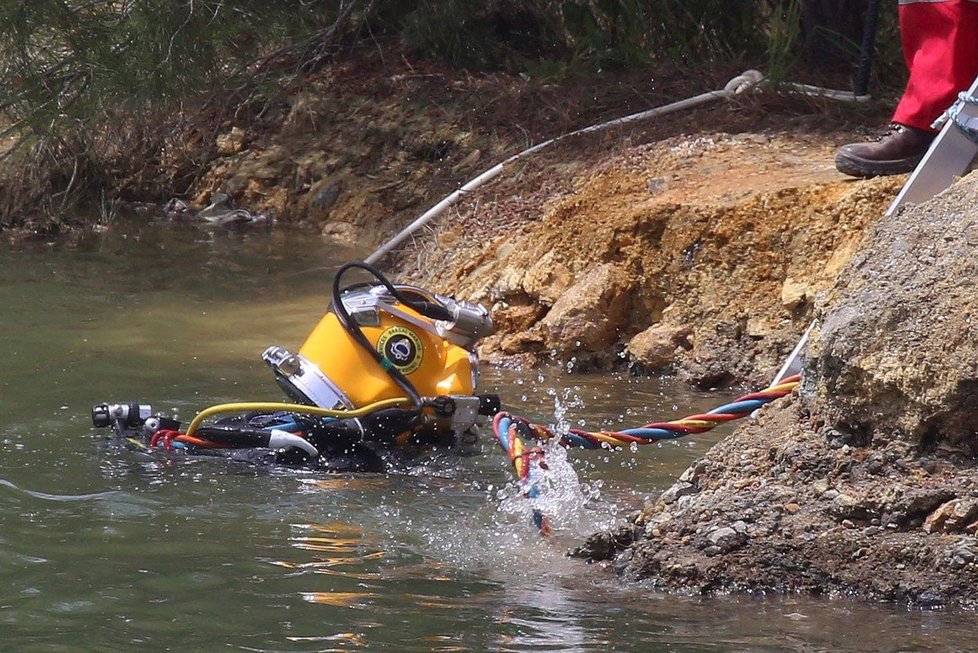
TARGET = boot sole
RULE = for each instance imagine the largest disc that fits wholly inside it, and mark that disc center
(856, 167)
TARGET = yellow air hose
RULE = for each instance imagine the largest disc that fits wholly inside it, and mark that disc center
(293, 408)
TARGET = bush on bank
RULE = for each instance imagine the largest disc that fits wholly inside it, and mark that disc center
(96, 93)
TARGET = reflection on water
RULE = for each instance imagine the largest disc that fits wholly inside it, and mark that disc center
(103, 548)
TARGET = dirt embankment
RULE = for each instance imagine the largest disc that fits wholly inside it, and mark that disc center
(865, 484)
(694, 243)
(360, 149)
(698, 254)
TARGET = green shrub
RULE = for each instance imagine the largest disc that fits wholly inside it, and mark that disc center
(86, 84)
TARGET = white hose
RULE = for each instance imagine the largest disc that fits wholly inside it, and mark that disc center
(746, 81)
(827, 93)
(279, 439)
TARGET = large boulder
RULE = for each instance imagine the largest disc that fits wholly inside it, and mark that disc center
(656, 348)
(584, 320)
(897, 351)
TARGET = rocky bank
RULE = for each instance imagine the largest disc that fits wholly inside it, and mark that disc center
(865, 483)
(694, 243)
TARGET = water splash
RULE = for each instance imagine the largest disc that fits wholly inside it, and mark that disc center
(571, 506)
(574, 508)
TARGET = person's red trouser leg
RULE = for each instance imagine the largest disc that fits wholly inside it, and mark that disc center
(940, 45)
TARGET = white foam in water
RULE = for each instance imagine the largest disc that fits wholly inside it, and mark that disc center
(500, 534)
(572, 507)
(502, 537)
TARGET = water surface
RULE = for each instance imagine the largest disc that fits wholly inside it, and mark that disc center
(104, 549)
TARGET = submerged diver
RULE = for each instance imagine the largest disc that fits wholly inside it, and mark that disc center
(389, 370)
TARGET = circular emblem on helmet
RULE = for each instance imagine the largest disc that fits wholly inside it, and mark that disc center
(402, 348)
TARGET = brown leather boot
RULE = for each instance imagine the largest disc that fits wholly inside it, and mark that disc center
(899, 150)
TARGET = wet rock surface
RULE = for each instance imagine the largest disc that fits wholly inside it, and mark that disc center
(864, 484)
(776, 508)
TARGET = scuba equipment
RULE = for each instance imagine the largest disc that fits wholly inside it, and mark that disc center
(388, 369)
(388, 366)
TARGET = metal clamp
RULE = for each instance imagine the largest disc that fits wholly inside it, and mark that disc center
(967, 124)
(296, 374)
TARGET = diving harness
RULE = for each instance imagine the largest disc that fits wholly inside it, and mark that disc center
(388, 367)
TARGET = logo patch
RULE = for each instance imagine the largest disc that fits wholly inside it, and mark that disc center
(402, 348)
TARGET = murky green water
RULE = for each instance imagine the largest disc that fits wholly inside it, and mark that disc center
(105, 549)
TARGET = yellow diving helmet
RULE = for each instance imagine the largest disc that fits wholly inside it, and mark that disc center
(382, 341)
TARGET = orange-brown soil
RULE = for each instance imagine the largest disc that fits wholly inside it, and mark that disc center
(699, 253)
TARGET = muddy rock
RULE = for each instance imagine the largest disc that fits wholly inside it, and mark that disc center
(795, 294)
(731, 235)
(909, 507)
(724, 540)
(678, 491)
(604, 546)
(517, 343)
(515, 317)
(232, 141)
(657, 347)
(952, 516)
(897, 351)
(961, 553)
(341, 232)
(584, 320)
(547, 279)
(848, 507)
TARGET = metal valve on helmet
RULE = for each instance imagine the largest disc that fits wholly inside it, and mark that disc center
(464, 412)
(131, 415)
(469, 322)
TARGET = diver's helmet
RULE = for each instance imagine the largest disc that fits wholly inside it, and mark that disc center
(381, 342)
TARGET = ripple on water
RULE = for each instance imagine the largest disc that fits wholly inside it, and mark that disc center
(94, 496)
